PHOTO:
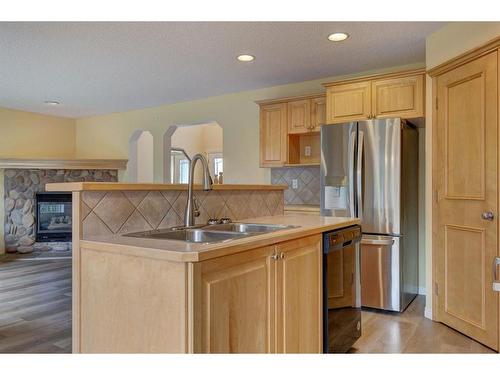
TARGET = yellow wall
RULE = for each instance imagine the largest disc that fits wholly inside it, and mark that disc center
(31, 135)
(444, 44)
(107, 136)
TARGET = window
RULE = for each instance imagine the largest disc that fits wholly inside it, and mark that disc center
(183, 171)
(215, 163)
(218, 166)
(179, 168)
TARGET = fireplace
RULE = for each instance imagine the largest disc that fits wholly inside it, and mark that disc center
(53, 217)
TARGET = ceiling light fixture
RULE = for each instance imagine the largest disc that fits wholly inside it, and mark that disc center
(51, 102)
(338, 37)
(246, 58)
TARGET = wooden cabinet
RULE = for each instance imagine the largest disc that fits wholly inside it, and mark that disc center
(398, 97)
(380, 96)
(348, 102)
(318, 113)
(237, 301)
(283, 124)
(273, 135)
(299, 116)
(299, 296)
(306, 115)
(267, 300)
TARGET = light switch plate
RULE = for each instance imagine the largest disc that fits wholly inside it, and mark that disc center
(295, 183)
(307, 151)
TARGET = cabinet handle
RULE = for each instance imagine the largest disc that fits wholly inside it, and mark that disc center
(282, 255)
(275, 256)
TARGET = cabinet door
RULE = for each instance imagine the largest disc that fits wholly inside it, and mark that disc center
(318, 113)
(299, 116)
(299, 296)
(398, 97)
(236, 295)
(273, 132)
(351, 101)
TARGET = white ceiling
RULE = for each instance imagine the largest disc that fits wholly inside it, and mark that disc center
(97, 68)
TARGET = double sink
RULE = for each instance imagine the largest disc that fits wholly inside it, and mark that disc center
(211, 233)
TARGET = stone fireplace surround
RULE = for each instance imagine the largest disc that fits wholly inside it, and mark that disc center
(22, 179)
(20, 188)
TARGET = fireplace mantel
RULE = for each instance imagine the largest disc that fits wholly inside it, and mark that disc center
(119, 164)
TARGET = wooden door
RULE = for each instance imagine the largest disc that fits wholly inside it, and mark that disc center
(299, 116)
(398, 97)
(466, 183)
(236, 294)
(318, 113)
(273, 133)
(348, 102)
(299, 296)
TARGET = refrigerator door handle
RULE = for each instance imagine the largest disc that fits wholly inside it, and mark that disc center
(359, 175)
(496, 281)
(351, 151)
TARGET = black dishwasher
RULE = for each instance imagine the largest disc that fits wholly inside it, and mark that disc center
(341, 289)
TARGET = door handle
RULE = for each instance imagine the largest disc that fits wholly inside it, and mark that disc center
(385, 242)
(496, 282)
(359, 175)
(488, 215)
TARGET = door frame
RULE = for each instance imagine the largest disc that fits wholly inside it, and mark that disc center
(451, 64)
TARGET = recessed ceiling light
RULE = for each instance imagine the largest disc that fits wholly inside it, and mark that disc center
(51, 102)
(246, 58)
(338, 37)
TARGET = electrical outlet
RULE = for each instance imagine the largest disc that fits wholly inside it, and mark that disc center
(307, 151)
(295, 184)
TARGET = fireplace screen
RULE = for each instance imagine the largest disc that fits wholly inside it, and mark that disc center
(54, 214)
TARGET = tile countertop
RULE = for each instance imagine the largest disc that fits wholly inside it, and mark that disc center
(193, 252)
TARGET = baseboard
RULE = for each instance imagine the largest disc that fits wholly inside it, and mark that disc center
(422, 290)
(428, 312)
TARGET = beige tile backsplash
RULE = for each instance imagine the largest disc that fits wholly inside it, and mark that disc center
(106, 213)
(308, 184)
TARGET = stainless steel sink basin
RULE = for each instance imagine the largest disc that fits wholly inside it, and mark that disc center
(188, 235)
(211, 233)
(247, 227)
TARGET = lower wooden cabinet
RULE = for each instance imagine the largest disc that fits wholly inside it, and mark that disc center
(237, 303)
(299, 296)
(262, 300)
(266, 300)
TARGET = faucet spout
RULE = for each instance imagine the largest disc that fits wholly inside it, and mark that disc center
(189, 214)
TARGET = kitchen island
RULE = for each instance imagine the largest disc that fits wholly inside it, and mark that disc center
(253, 294)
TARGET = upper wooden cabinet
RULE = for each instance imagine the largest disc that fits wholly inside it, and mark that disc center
(283, 122)
(380, 96)
(348, 102)
(299, 116)
(273, 134)
(398, 97)
(318, 112)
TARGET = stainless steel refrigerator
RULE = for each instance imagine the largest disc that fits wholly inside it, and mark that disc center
(369, 169)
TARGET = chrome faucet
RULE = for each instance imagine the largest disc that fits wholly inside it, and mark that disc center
(190, 214)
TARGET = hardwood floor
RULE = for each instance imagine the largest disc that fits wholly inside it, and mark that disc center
(410, 332)
(35, 306)
(35, 317)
